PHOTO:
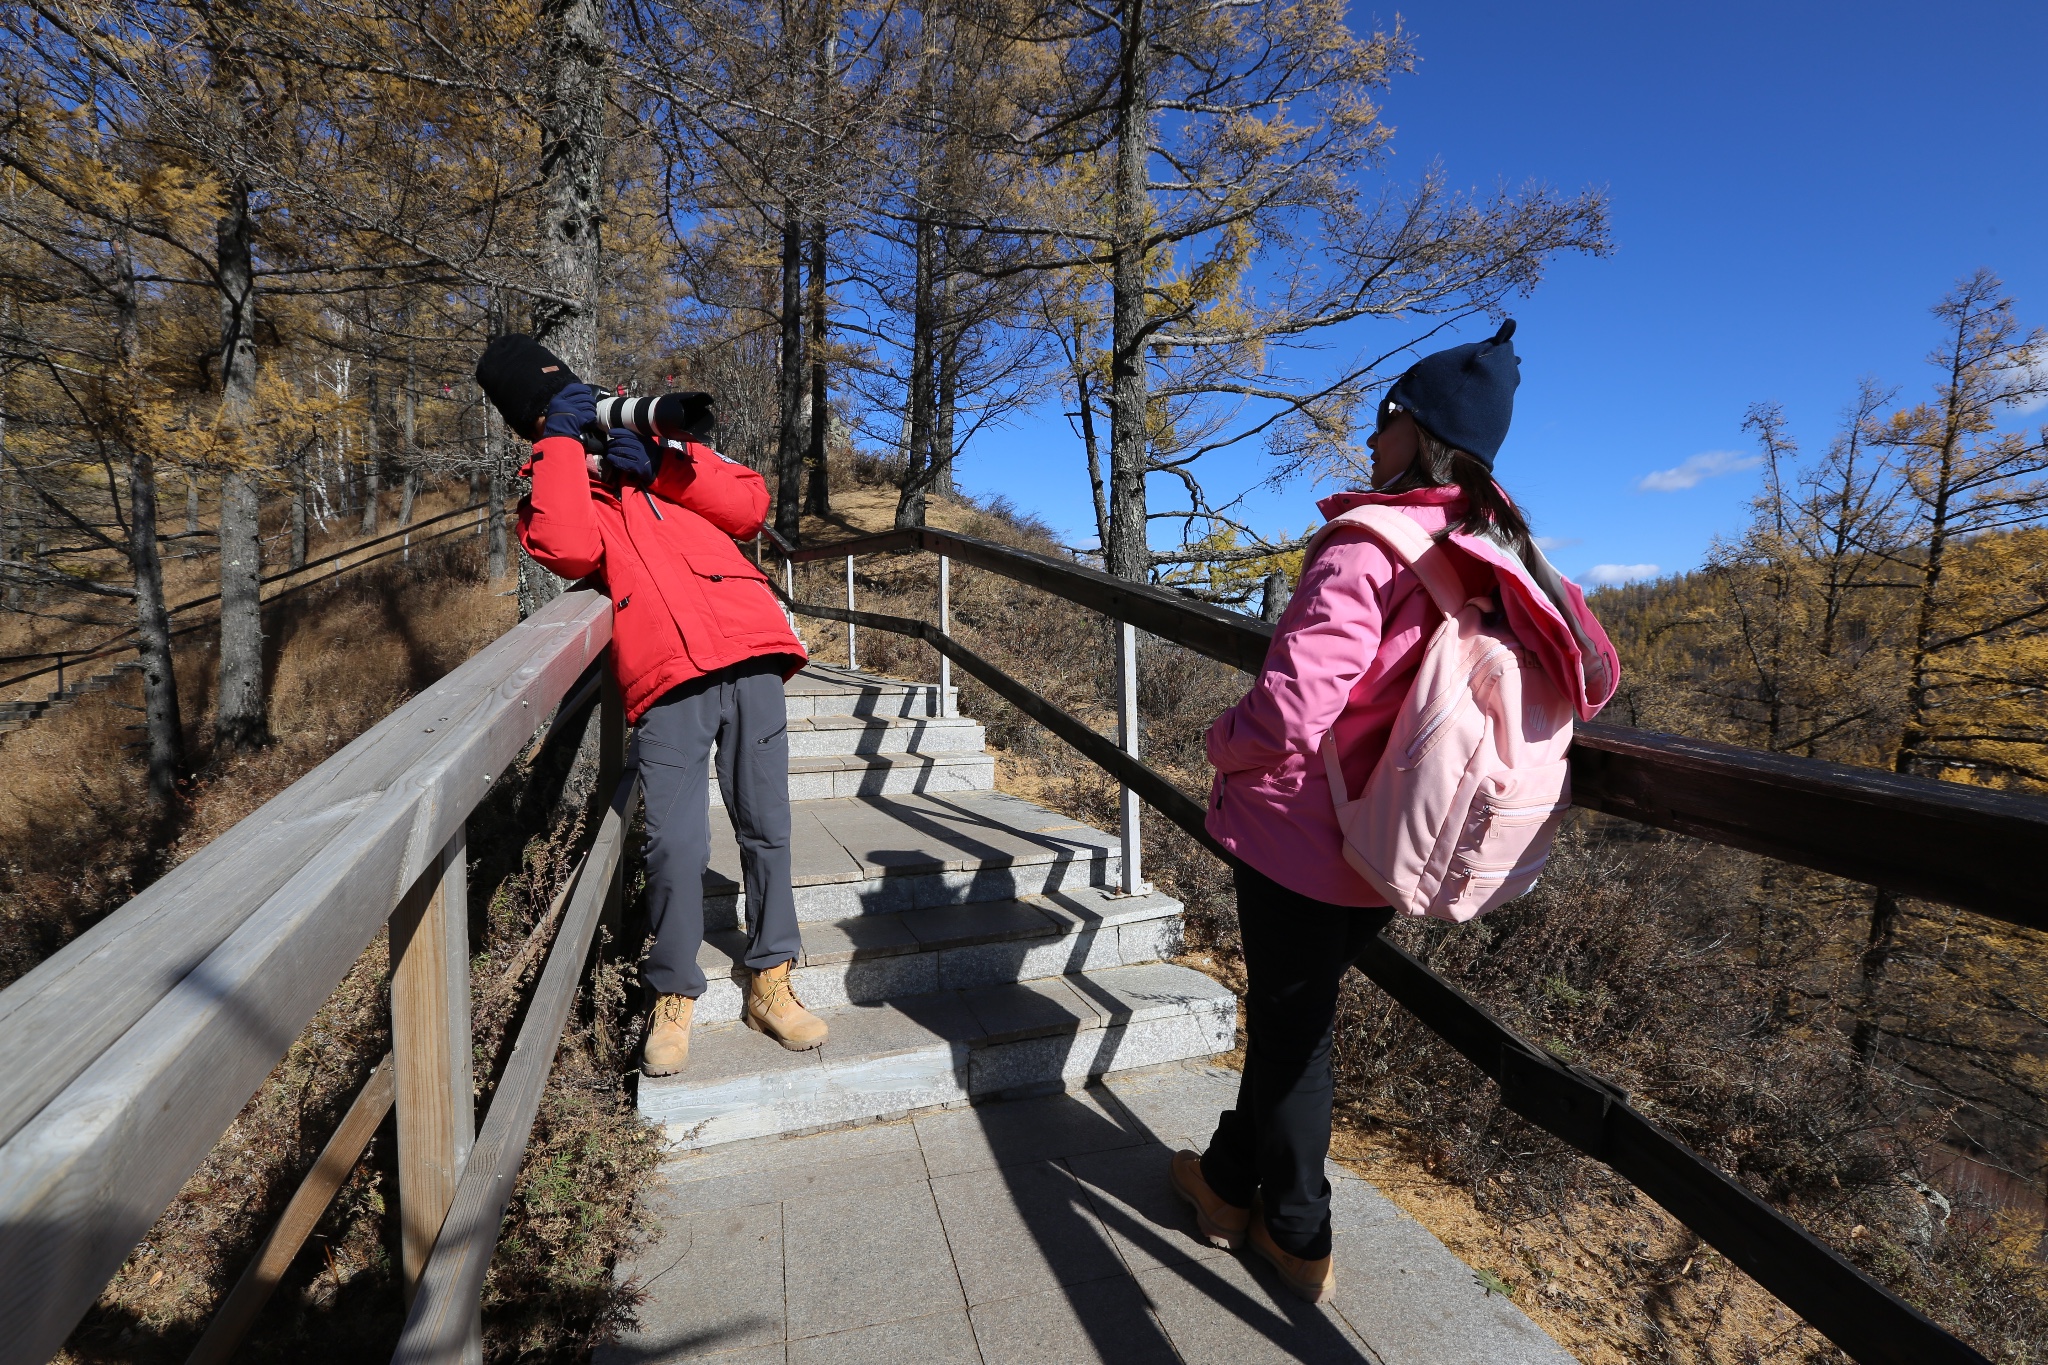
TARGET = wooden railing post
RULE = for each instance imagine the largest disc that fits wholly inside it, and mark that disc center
(946, 708)
(852, 658)
(1133, 881)
(430, 1048)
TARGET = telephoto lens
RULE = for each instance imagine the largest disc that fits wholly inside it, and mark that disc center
(668, 417)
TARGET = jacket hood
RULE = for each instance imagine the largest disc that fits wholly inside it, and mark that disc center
(1546, 610)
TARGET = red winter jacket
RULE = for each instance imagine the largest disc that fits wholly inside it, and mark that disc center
(686, 602)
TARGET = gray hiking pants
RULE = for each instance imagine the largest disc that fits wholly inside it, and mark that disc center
(740, 711)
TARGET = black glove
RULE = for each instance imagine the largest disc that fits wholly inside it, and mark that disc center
(631, 455)
(573, 408)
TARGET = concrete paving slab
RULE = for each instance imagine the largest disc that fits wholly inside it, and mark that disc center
(1182, 1098)
(864, 1257)
(1234, 1312)
(1052, 1126)
(711, 1282)
(1100, 1322)
(1022, 1229)
(775, 1153)
(1127, 1188)
(790, 1182)
(1417, 1304)
(620, 1353)
(937, 1339)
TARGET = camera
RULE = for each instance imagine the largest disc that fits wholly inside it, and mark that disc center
(666, 417)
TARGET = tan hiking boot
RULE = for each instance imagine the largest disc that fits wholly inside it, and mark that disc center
(667, 1049)
(1221, 1223)
(773, 1009)
(1315, 1281)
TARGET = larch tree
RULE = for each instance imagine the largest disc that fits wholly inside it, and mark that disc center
(1973, 494)
(1213, 149)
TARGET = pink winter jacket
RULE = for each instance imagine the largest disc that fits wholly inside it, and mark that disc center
(1344, 655)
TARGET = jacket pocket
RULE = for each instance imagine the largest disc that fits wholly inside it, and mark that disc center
(735, 594)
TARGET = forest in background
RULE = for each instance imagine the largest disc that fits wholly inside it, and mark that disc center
(249, 251)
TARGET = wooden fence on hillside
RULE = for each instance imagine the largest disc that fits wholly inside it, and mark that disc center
(125, 1056)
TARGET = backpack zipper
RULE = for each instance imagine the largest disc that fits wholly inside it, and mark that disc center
(1449, 704)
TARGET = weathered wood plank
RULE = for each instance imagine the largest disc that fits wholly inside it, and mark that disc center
(430, 1041)
(237, 1312)
(83, 1178)
(446, 1303)
(56, 1019)
(1940, 841)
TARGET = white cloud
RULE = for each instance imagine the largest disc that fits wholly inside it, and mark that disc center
(1549, 543)
(2034, 402)
(1708, 464)
(1614, 575)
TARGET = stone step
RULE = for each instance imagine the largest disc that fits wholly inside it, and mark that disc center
(822, 690)
(821, 777)
(917, 1052)
(841, 735)
(875, 855)
(868, 958)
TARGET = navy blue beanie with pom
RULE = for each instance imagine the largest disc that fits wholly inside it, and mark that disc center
(1465, 396)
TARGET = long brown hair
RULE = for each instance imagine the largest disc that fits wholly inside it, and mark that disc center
(1487, 509)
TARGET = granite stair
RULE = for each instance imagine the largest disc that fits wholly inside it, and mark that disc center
(961, 942)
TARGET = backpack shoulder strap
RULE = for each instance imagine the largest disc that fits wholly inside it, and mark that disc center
(1410, 544)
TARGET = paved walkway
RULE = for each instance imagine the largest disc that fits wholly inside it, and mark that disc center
(1029, 1232)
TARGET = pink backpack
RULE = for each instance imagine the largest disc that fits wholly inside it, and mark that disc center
(1459, 815)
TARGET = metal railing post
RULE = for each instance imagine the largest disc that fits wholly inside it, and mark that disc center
(946, 707)
(1132, 879)
(430, 1047)
(852, 658)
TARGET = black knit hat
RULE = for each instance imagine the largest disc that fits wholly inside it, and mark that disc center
(519, 376)
(1465, 396)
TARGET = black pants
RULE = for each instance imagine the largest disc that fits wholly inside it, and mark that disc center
(1273, 1144)
(740, 710)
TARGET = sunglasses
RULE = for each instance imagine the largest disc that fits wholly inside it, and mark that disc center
(1389, 410)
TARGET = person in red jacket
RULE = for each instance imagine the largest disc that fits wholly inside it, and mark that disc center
(701, 649)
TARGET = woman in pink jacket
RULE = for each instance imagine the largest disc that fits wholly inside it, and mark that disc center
(1344, 655)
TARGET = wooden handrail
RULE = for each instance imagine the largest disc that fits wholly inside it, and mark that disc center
(1937, 841)
(126, 1054)
(1855, 1312)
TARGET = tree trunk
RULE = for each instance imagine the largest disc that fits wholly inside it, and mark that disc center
(1085, 401)
(191, 503)
(495, 491)
(917, 455)
(241, 720)
(407, 498)
(818, 486)
(941, 477)
(299, 517)
(1127, 553)
(789, 436)
(918, 447)
(373, 455)
(572, 157)
(163, 728)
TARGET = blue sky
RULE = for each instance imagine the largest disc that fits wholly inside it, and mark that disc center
(1792, 186)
